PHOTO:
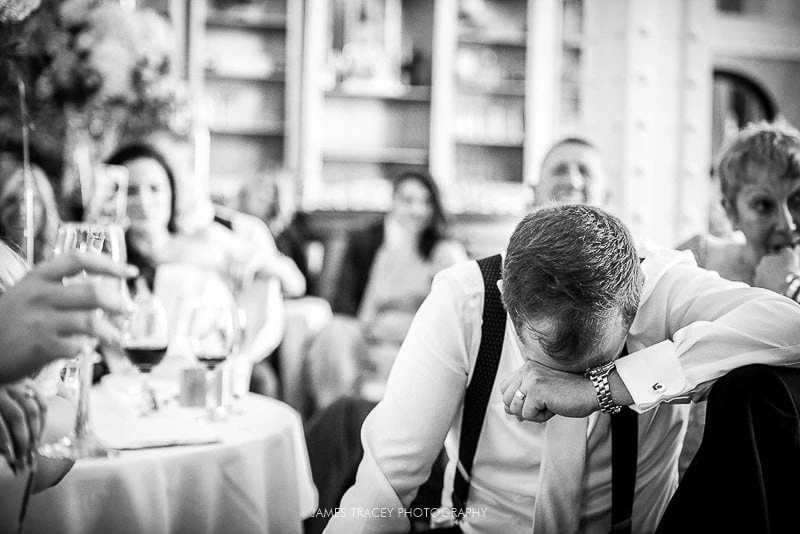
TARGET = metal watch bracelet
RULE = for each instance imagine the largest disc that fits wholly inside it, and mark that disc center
(599, 378)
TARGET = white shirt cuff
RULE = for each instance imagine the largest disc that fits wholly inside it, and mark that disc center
(652, 375)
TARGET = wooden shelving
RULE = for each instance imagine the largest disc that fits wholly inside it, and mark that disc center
(366, 114)
(272, 130)
(489, 38)
(490, 143)
(471, 121)
(250, 21)
(481, 104)
(244, 72)
(509, 90)
(243, 77)
(407, 93)
(400, 156)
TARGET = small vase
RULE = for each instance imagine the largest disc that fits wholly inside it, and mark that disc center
(92, 134)
(79, 157)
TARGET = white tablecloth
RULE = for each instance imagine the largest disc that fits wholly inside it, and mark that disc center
(257, 479)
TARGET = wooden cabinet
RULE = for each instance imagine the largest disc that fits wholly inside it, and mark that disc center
(572, 86)
(465, 88)
(346, 93)
(366, 99)
(480, 104)
(244, 72)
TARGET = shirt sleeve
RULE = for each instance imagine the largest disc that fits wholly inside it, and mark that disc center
(403, 435)
(697, 327)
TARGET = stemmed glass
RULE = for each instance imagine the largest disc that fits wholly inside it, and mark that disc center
(98, 239)
(144, 339)
(213, 332)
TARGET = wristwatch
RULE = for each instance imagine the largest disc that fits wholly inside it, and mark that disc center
(599, 378)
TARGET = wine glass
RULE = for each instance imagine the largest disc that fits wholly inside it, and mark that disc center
(97, 239)
(144, 339)
(213, 332)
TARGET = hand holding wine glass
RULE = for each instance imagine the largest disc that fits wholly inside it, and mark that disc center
(144, 339)
(59, 315)
(100, 240)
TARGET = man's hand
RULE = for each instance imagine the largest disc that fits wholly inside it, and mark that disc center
(548, 392)
(42, 320)
(772, 270)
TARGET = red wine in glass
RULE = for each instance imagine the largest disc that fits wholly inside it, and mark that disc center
(211, 359)
(145, 357)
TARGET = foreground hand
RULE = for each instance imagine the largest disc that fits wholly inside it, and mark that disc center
(548, 392)
(22, 418)
(772, 270)
(42, 320)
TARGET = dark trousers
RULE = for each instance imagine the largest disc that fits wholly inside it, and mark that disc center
(335, 451)
(745, 476)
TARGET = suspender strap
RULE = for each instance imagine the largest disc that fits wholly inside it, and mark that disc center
(624, 455)
(480, 386)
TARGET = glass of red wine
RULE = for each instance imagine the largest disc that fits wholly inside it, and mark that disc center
(213, 331)
(144, 340)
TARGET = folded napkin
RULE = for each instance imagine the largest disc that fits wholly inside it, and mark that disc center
(120, 427)
(158, 443)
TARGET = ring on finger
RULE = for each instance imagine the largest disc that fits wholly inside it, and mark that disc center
(520, 395)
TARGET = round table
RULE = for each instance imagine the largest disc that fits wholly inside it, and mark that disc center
(255, 479)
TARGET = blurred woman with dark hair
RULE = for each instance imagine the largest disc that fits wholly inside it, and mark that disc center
(228, 255)
(387, 272)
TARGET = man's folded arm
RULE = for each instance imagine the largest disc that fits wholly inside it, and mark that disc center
(713, 326)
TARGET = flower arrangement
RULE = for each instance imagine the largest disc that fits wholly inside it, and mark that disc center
(111, 59)
(96, 73)
(16, 10)
(101, 67)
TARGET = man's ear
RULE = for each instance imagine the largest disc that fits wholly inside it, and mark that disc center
(500, 287)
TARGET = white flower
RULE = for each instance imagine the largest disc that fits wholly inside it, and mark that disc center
(154, 37)
(74, 12)
(115, 64)
(16, 10)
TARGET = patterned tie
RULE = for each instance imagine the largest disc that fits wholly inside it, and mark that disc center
(559, 498)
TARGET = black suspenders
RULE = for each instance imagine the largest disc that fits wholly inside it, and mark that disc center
(624, 426)
(480, 386)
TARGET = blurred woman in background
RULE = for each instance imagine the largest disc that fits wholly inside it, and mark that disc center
(387, 272)
(270, 197)
(217, 260)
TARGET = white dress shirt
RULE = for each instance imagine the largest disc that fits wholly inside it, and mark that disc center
(691, 328)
